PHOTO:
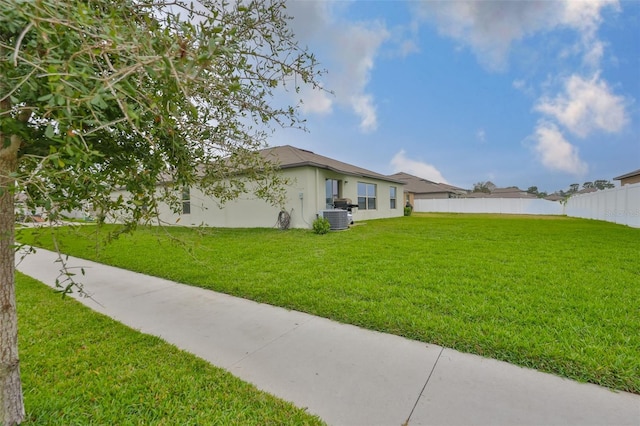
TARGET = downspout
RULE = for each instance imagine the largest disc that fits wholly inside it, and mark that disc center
(316, 191)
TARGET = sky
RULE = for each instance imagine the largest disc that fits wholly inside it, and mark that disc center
(521, 93)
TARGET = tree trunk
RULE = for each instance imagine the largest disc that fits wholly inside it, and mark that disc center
(11, 403)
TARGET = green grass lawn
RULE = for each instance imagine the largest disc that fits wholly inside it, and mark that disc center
(82, 368)
(557, 294)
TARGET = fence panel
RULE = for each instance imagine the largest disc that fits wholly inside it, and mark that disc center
(490, 205)
(619, 205)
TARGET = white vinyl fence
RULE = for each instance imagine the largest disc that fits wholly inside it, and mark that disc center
(619, 205)
(490, 205)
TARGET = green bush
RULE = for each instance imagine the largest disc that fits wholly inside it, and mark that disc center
(408, 210)
(321, 226)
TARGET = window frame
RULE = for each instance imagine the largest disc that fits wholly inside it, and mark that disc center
(393, 197)
(336, 191)
(186, 200)
(367, 199)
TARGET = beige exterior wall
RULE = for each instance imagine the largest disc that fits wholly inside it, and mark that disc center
(305, 199)
(409, 197)
(248, 211)
(630, 180)
(383, 200)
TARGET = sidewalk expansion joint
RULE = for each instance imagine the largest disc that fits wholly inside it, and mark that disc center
(157, 290)
(248, 354)
(406, 423)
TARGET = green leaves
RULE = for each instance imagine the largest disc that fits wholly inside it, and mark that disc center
(98, 101)
(235, 86)
(49, 131)
(122, 96)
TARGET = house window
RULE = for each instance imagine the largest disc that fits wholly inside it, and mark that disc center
(186, 201)
(332, 192)
(366, 196)
(392, 197)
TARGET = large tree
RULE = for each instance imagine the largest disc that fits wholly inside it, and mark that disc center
(486, 187)
(101, 95)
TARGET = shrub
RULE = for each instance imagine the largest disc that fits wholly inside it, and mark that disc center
(408, 210)
(321, 226)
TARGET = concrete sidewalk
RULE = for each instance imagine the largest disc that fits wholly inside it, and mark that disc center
(344, 374)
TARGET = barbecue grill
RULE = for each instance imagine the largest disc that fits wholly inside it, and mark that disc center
(344, 204)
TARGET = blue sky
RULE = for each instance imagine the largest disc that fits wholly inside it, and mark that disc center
(522, 93)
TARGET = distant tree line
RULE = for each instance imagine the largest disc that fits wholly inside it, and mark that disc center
(596, 184)
(488, 187)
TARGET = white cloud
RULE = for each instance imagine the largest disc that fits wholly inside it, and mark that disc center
(491, 27)
(405, 39)
(364, 107)
(347, 50)
(555, 152)
(519, 84)
(593, 54)
(401, 163)
(585, 16)
(586, 105)
(310, 18)
(356, 47)
(316, 101)
(481, 135)
(408, 47)
(524, 87)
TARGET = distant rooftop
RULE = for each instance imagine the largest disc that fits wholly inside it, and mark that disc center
(510, 192)
(419, 185)
(628, 175)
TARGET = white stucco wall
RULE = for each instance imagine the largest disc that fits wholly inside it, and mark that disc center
(383, 209)
(248, 211)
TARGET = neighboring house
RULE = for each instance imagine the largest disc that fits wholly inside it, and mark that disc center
(417, 188)
(554, 197)
(629, 178)
(586, 191)
(510, 192)
(315, 182)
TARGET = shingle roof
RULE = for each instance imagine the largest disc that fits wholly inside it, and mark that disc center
(587, 190)
(511, 192)
(288, 157)
(508, 190)
(628, 175)
(419, 185)
(453, 188)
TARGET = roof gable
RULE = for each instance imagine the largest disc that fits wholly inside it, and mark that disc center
(628, 175)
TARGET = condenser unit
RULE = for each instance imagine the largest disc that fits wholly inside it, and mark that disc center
(338, 218)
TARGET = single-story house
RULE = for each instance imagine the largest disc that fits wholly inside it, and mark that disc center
(554, 197)
(629, 178)
(315, 182)
(417, 188)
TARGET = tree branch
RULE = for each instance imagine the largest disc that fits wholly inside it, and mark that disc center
(19, 42)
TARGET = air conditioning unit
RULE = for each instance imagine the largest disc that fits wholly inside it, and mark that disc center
(338, 218)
